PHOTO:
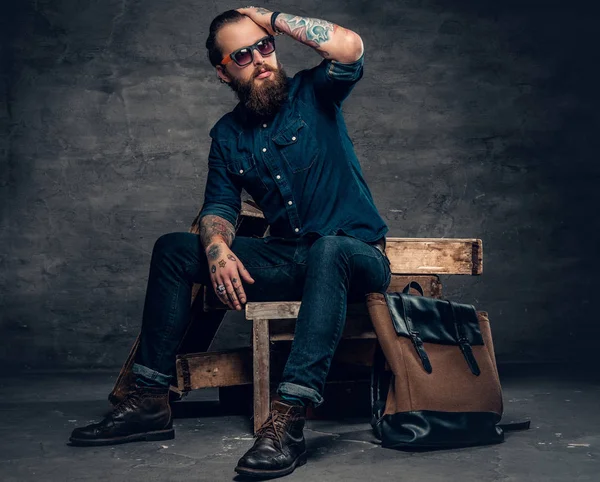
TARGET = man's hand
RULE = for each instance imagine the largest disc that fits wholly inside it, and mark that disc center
(260, 16)
(228, 271)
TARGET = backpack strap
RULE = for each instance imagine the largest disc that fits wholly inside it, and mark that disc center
(463, 342)
(415, 285)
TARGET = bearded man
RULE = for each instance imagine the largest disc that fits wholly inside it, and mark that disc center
(287, 144)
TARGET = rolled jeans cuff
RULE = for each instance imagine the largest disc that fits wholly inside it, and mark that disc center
(292, 389)
(153, 375)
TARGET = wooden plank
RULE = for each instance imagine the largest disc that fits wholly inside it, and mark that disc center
(251, 210)
(272, 310)
(282, 310)
(214, 369)
(262, 369)
(435, 256)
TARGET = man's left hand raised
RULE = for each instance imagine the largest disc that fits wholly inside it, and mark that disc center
(260, 16)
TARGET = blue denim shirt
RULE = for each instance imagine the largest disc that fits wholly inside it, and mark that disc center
(300, 167)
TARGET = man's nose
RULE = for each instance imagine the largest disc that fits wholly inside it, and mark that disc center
(257, 57)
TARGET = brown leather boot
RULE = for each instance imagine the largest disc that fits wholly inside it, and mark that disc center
(279, 447)
(144, 414)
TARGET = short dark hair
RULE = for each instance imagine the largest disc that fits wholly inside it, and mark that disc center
(215, 55)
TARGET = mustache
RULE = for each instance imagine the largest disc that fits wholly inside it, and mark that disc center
(262, 69)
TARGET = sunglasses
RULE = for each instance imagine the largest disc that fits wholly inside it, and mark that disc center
(245, 55)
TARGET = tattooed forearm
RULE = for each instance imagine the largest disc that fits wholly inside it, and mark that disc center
(329, 39)
(311, 31)
(214, 228)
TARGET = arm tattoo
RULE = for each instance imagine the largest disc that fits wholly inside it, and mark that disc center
(231, 257)
(211, 226)
(222, 263)
(263, 11)
(310, 31)
(213, 268)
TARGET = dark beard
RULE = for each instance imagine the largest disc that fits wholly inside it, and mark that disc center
(262, 100)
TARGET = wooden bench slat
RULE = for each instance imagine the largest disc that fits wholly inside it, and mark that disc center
(272, 310)
(250, 211)
(435, 256)
(234, 367)
(288, 310)
(262, 370)
(214, 369)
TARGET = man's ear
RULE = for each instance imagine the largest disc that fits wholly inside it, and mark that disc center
(222, 74)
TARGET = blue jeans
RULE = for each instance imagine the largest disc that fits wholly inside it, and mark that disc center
(324, 272)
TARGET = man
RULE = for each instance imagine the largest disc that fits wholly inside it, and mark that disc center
(286, 143)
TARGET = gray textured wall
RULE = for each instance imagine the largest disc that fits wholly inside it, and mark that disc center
(474, 119)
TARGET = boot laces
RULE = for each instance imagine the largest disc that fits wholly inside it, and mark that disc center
(130, 401)
(274, 426)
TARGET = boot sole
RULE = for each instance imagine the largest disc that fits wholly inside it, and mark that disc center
(271, 474)
(137, 437)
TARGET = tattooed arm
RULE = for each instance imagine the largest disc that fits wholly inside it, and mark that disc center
(215, 225)
(216, 235)
(330, 40)
(215, 229)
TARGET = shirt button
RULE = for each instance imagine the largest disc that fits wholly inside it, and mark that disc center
(296, 230)
(278, 176)
(264, 149)
(265, 125)
(290, 203)
(294, 138)
(241, 171)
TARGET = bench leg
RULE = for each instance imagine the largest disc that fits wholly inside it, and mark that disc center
(260, 345)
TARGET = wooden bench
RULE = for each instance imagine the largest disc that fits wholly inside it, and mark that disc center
(419, 259)
(273, 321)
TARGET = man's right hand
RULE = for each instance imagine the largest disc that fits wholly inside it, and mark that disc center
(228, 271)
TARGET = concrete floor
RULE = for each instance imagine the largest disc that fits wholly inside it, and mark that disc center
(38, 411)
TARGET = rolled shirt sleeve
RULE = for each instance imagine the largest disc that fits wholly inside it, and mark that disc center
(333, 80)
(222, 196)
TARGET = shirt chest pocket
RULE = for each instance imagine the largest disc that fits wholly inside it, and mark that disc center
(298, 145)
(243, 170)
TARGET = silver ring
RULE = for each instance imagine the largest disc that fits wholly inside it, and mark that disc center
(221, 288)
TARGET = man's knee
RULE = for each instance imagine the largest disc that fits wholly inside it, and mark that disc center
(171, 244)
(329, 249)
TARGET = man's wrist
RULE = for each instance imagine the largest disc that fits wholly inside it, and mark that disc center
(273, 26)
(215, 241)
